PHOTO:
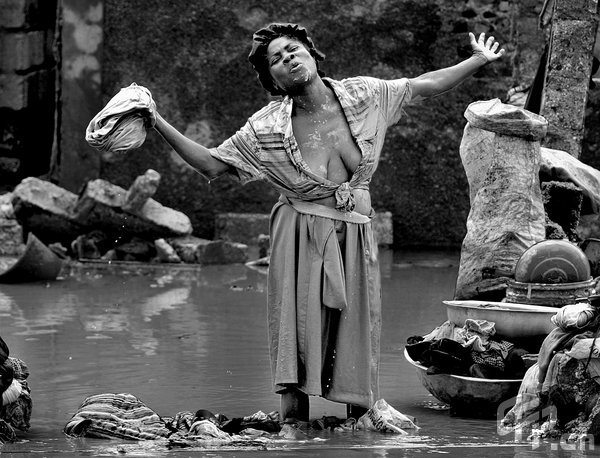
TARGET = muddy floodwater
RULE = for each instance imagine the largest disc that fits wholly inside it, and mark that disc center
(196, 338)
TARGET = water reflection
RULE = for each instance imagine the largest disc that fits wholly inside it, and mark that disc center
(187, 339)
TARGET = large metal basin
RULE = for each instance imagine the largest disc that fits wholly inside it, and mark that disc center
(512, 320)
(470, 396)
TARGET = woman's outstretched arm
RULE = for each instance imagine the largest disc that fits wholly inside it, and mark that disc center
(439, 81)
(193, 153)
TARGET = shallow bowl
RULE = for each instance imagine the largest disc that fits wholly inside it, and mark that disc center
(511, 320)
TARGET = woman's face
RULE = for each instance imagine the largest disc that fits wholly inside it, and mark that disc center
(290, 63)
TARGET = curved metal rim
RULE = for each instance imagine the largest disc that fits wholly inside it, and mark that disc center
(462, 377)
(503, 306)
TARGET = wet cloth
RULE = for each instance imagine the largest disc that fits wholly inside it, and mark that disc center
(116, 415)
(555, 341)
(121, 125)
(573, 317)
(16, 408)
(528, 401)
(303, 332)
(324, 306)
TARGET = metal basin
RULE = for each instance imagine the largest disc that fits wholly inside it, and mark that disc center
(512, 320)
(470, 396)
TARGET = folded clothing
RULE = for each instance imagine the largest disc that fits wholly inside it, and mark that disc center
(121, 125)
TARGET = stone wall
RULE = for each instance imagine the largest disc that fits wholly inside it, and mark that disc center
(27, 88)
(192, 55)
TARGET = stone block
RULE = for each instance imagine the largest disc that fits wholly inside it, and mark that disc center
(221, 252)
(22, 50)
(165, 252)
(46, 210)
(100, 206)
(21, 91)
(186, 247)
(14, 13)
(11, 237)
(383, 228)
(13, 91)
(27, 14)
(141, 190)
(241, 227)
(194, 250)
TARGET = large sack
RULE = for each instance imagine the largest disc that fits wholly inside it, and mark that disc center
(500, 152)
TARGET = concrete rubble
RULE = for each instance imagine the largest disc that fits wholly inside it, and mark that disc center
(108, 223)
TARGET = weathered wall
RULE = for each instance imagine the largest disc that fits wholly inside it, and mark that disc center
(27, 82)
(192, 55)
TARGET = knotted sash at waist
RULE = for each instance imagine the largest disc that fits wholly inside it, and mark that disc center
(311, 208)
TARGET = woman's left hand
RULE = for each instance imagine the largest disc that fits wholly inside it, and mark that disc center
(487, 49)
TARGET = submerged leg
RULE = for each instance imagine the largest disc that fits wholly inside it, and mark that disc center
(354, 411)
(294, 404)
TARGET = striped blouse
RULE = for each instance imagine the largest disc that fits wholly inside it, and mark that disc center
(265, 147)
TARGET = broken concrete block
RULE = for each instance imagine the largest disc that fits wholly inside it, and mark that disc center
(222, 252)
(202, 251)
(165, 252)
(46, 210)
(241, 227)
(383, 228)
(185, 247)
(100, 206)
(143, 188)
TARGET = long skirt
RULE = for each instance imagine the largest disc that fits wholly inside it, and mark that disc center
(324, 304)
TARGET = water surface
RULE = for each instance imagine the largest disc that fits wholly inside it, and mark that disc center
(191, 338)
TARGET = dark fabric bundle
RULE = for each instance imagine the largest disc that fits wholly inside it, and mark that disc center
(260, 43)
(7, 374)
(4, 352)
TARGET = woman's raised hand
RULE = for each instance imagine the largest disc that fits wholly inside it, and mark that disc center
(487, 49)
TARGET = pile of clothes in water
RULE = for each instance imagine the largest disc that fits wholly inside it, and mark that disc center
(560, 394)
(16, 405)
(472, 350)
(124, 416)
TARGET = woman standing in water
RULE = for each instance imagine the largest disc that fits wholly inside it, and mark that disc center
(319, 146)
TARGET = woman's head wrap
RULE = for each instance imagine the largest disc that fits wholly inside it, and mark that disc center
(260, 43)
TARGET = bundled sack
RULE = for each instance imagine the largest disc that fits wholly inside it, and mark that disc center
(574, 316)
(500, 152)
(121, 125)
(384, 418)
